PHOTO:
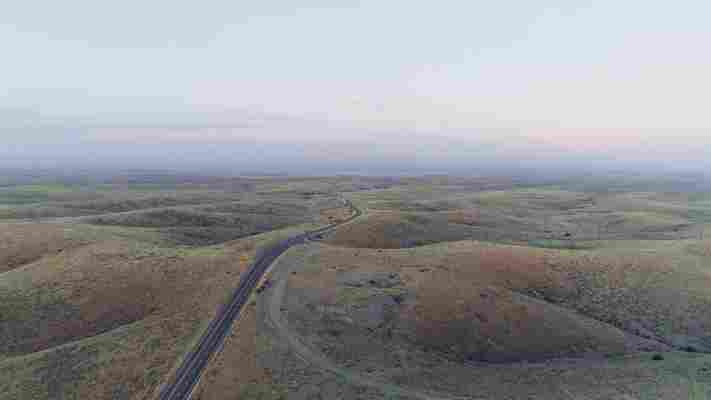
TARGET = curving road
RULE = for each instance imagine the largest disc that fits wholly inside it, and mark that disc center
(182, 385)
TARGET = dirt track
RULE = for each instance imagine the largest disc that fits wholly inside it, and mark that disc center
(274, 317)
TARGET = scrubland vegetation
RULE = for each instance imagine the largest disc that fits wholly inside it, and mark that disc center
(104, 288)
(476, 287)
(444, 282)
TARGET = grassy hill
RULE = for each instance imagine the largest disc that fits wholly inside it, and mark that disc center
(112, 316)
(492, 313)
(451, 283)
(396, 230)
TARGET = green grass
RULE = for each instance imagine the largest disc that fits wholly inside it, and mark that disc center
(18, 312)
(20, 198)
(139, 187)
(62, 372)
(355, 295)
(152, 344)
(676, 369)
(152, 377)
(259, 391)
(651, 218)
(683, 369)
(561, 244)
(264, 343)
(90, 233)
(46, 188)
(523, 197)
(37, 194)
(701, 197)
(699, 215)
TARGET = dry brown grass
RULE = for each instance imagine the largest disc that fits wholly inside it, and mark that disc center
(506, 303)
(497, 325)
(468, 216)
(334, 215)
(116, 316)
(236, 369)
(490, 303)
(21, 244)
(104, 285)
(398, 230)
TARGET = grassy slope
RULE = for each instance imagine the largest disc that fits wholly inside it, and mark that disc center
(593, 293)
(396, 230)
(522, 315)
(541, 217)
(110, 319)
(462, 299)
(613, 284)
(25, 243)
(660, 293)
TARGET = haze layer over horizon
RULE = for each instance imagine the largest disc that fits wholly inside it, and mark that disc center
(327, 84)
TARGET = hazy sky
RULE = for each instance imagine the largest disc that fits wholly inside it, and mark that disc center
(614, 78)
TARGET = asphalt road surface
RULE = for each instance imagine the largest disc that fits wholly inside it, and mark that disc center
(181, 386)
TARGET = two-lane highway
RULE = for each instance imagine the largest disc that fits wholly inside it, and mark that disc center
(188, 374)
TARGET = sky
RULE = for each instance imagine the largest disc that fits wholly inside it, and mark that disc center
(363, 81)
